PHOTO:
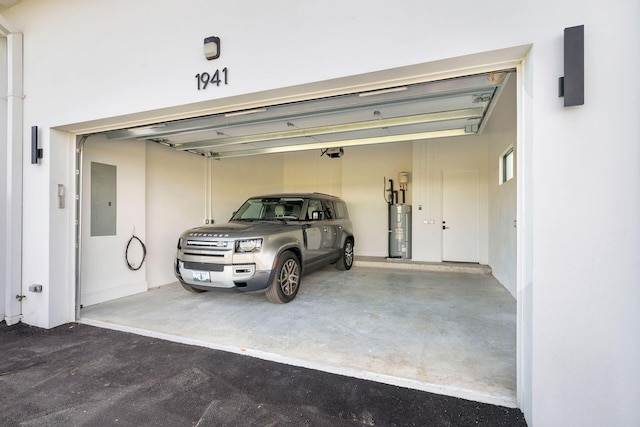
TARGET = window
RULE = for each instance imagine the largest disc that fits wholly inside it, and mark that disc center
(341, 209)
(329, 211)
(506, 165)
(315, 206)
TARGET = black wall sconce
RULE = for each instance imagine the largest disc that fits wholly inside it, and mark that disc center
(36, 153)
(212, 47)
(571, 86)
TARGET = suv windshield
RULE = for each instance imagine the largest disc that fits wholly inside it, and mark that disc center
(270, 208)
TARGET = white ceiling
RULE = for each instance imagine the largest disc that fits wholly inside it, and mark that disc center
(6, 4)
(459, 106)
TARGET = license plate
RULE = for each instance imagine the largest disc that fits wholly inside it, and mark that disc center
(201, 276)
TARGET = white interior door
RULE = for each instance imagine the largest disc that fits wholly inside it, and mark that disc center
(460, 216)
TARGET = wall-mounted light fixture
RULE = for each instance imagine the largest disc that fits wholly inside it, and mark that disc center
(571, 85)
(36, 153)
(212, 47)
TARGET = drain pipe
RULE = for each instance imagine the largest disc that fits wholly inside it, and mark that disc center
(13, 209)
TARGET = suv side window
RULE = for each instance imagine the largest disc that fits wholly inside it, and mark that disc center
(314, 210)
(329, 210)
(341, 209)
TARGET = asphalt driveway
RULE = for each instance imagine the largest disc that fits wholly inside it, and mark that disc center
(76, 375)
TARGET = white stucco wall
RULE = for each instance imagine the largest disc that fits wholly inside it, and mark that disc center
(579, 171)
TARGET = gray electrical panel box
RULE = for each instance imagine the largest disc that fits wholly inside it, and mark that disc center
(400, 233)
(103, 199)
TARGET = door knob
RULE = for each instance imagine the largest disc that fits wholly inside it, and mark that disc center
(444, 227)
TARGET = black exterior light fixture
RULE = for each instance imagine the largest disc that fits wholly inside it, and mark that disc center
(571, 86)
(212, 47)
(36, 153)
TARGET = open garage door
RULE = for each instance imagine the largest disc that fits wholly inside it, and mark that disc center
(453, 107)
(170, 175)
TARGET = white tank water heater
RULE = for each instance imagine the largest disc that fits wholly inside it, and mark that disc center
(400, 236)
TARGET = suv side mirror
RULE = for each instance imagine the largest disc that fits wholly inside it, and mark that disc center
(316, 215)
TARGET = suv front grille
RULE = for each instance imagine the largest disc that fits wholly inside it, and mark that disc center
(202, 266)
(209, 248)
(213, 244)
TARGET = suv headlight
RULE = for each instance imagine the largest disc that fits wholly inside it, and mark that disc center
(251, 245)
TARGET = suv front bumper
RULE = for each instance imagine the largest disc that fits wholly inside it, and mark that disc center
(242, 277)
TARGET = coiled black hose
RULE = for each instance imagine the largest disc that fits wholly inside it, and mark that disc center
(144, 253)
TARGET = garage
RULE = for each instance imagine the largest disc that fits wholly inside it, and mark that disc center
(81, 69)
(446, 148)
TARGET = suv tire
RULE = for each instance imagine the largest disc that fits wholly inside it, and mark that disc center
(346, 260)
(286, 280)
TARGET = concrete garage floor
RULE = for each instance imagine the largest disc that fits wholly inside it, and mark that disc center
(445, 332)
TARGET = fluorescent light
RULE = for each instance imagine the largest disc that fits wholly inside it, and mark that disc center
(383, 91)
(467, 113)
(343, 143)
(243, 112)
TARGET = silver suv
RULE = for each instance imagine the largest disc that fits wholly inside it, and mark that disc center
(268, 244)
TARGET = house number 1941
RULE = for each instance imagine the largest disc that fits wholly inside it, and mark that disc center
(217, 78)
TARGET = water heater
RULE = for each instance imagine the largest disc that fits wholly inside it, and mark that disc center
(400, 231)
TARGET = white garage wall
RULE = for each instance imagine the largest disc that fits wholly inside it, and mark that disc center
(307, 171)
(431, 158)
(501, 133)
(105, 274)
(236, 179)
(175, 201)
(363, 173)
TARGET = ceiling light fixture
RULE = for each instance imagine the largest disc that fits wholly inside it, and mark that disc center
(383, 91)
(243, 112)
(343, 143)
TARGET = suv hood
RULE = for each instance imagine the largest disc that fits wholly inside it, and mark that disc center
(239, 229)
